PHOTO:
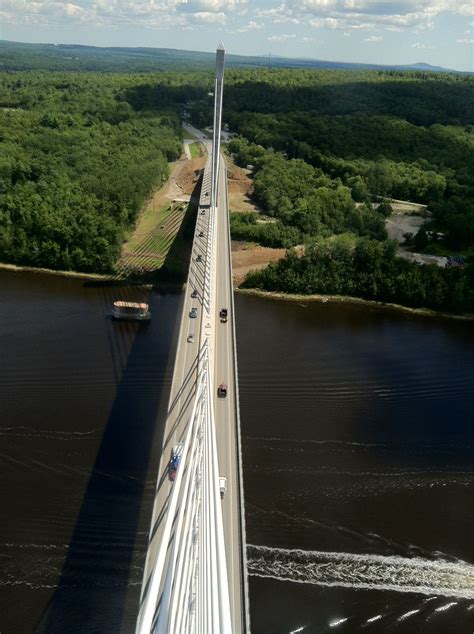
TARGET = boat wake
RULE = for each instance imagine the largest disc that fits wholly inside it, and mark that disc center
(372, 572)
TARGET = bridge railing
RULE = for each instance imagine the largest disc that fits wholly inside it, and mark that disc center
(240, 477)
(188, 586)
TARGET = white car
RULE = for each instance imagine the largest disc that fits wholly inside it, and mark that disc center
(190, 338)
(222, 486)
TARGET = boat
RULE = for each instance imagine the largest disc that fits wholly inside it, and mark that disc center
(138, 311)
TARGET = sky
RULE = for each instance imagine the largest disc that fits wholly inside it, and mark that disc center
(439, 32)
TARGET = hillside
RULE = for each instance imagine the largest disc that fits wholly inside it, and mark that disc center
(23, 56)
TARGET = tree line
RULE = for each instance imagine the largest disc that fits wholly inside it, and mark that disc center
(76, 164)
(319, 163)
(80, 152)
(362, 267)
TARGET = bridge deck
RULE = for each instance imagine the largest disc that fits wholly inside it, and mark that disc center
(214, 265)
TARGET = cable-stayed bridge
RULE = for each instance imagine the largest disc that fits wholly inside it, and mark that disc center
(195, 572)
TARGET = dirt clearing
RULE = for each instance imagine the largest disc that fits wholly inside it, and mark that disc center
(407, 217)
(246, 258)
(240, 188)
(189, 174)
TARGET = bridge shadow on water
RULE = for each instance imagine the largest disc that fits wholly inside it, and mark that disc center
(99, 585)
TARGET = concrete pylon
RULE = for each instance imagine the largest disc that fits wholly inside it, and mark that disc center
(216, 141)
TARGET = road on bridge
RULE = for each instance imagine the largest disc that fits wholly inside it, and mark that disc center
(226, 409)
(226, 413)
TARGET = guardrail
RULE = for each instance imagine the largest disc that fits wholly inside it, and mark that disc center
(242, 532)
(187, 589)
(188, 586)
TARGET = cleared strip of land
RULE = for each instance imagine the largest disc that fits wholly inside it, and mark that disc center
(160, 221)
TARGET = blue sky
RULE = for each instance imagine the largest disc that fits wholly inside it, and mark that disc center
(439, 32)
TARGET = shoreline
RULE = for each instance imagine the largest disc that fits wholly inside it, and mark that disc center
(291, 297)
(75, 274)
(164, 286)
(347, 299)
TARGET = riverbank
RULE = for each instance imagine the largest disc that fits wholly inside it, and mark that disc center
(149, 244)
(76, 274)
(346, 299)
(323, 299)
(144, 282)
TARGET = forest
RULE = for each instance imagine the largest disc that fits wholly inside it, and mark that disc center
(125, 59)
(81, 151)
(327, 154)
(76, 164)
(370, 269)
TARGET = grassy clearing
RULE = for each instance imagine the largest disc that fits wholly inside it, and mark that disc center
(177, 258)
(158, 250)
(150, 221)
(196, 150)
(148, 247)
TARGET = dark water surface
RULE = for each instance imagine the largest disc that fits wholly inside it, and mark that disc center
(358, 467)
(357, 439)
(79, 447)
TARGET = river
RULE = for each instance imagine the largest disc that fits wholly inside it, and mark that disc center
(357, 449)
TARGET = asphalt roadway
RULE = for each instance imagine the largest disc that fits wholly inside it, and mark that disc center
(226, 409)
(226, 417)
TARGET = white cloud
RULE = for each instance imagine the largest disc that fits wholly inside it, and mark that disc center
(206, 17)
(281, 38)
(144, 13)
(251, 26)
(349, 15)
(206, 6)
(373, 38)
(46, 12)
(420, 45)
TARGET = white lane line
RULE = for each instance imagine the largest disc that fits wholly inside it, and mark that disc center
(231, 410)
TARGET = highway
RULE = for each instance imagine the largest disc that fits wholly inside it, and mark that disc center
(226, 413)
(206, 272)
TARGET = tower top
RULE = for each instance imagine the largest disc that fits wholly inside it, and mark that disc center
(220, 46)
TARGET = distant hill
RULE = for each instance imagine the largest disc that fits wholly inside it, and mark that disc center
(435, 69)
(21, 56)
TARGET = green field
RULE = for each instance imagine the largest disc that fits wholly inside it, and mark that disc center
(149, 245)
(196, 150)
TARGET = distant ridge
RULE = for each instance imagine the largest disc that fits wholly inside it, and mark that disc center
(24, 56)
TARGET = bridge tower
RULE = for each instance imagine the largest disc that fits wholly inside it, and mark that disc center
(216, 142)
(195, 579)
